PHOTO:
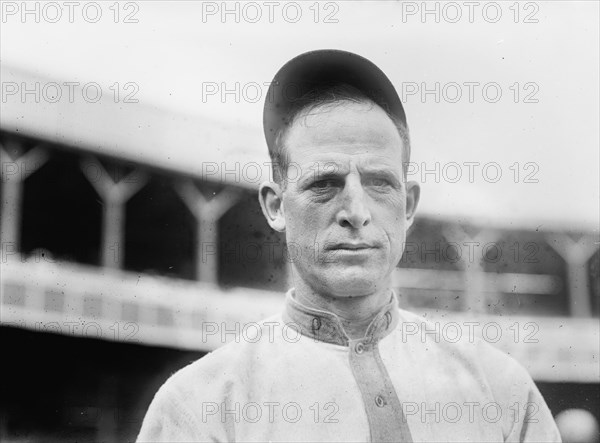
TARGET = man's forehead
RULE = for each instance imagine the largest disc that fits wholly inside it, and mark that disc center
(338, 126)
(365, 160)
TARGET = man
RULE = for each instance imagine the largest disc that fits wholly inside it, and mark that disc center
(337, 364)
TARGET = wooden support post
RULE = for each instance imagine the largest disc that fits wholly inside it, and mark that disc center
(576, 254)
(472, 247)
(207, 214)
(15, 169)
(114, 196)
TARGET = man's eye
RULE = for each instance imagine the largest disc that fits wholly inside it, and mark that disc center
(378, 182)
(323, 184)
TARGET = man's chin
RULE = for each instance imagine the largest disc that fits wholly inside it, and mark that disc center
(353, 283)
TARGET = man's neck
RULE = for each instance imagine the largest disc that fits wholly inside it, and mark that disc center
(356, 313)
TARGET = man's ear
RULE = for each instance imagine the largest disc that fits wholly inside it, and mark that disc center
(413, 193)
(271, 202)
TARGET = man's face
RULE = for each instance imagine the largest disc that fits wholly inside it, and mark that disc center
(345, 205)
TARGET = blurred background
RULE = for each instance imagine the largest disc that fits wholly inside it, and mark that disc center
(132, 151)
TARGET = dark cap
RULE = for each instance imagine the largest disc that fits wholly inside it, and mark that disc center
(323, 68)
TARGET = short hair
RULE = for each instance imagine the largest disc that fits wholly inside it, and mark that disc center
(329, 95)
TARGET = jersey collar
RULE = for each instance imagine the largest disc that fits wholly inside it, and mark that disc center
(326, 326)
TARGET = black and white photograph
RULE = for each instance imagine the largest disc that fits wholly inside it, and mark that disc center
(300, 221)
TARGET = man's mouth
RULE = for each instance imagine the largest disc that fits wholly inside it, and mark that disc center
(351, 246)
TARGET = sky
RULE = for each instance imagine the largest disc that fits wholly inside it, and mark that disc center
(502, 98)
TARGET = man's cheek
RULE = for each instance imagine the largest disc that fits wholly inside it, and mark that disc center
(397, 240)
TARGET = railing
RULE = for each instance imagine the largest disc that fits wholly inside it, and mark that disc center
(552, 348)
(116, 305)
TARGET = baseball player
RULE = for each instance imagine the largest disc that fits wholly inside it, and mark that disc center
(342, 362)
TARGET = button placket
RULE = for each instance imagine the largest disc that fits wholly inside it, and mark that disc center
(384, 411)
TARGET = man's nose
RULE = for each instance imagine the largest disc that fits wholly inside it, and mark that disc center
(354, 211)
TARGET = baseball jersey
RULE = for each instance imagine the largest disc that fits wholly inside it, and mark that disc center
(298, 377)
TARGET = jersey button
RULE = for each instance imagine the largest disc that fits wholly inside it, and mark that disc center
(359, 348)
(316, 324)
(380, 401)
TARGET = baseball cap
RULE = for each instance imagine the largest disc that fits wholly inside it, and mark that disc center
(323, 68)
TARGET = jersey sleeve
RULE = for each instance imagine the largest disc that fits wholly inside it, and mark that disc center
(189, 406)
(526, 416)
(533, 422)
(169, 419)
